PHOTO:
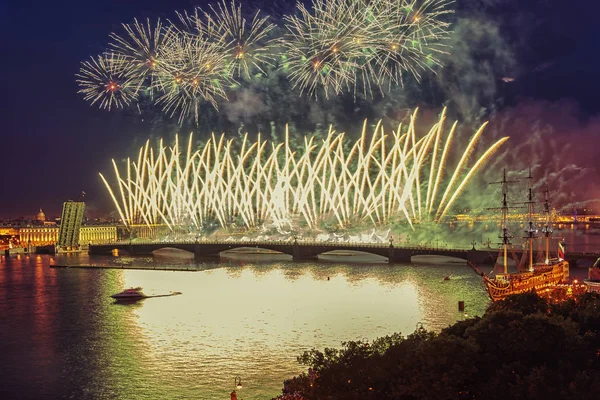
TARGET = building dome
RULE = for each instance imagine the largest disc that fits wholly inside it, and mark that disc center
(41, 216)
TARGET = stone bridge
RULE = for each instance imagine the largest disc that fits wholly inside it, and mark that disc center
(298, 250)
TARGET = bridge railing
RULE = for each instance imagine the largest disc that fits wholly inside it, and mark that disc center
(259, 243)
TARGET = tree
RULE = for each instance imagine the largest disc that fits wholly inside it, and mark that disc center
(521, 348)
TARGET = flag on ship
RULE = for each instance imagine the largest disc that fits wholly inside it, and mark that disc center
(561, 251)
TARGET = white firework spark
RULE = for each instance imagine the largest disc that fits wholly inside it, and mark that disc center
(384, 178)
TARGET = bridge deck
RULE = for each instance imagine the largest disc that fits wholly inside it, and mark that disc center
(311, 250)
(299, 251)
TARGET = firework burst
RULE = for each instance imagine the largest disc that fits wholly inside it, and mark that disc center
(385, 178)
(107, 80)
(192, 71)
(324, 48)
(357, 45)
(411, 35)
(140, 48)
(244, 41)
(333, 47)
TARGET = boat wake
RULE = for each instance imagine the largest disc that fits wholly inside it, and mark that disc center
(164, 295)
(119, 298)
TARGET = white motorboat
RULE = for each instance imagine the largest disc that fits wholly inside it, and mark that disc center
(130, 294)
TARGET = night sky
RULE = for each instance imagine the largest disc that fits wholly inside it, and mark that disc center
(53, 144)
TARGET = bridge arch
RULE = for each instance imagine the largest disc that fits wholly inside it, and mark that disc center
(215, 249)
(258, 247)
(172, 252)
(317, 249)
(435, 258)
(352, 256)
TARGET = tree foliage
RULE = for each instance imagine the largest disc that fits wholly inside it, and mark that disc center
(522, 348)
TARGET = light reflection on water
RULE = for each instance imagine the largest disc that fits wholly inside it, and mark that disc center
(249, 320)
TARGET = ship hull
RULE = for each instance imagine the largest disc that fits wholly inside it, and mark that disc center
(543, 277)
(592, 286)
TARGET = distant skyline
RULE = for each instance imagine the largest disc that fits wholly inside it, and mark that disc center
(53, 144)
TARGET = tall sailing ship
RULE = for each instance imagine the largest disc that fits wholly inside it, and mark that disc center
(593, 280)
(536, 276)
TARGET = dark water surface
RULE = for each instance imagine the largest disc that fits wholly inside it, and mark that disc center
(62, 336)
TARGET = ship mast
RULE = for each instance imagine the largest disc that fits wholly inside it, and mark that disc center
(547, 230)
(505, 235)
(530, 232)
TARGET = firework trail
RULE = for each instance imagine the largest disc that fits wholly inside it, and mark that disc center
(107, 80)
(378, 181)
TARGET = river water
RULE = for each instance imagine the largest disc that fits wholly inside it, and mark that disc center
(62, 336)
